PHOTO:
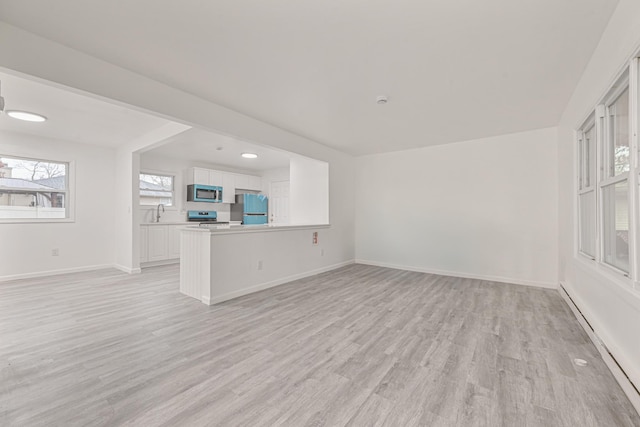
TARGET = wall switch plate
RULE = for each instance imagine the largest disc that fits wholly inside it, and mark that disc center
(321, 252)
(55, 252)
(260, 265)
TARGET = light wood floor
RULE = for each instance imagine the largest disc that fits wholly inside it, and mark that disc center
(358, 346)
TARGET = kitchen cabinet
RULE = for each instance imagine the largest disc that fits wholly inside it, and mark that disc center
(255, 183)
(160, 242)
(242, 181)
(248, 182)
(144, 246)
(227, 180)
(204, 177)
(173, 232)
(228, 187)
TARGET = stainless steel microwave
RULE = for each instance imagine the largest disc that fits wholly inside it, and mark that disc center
(204, 193)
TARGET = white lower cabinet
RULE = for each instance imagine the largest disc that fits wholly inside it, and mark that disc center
(159, 242)
(144, 246)
(174, 241)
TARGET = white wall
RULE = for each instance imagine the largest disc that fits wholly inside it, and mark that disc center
(611, 307)
(309, 191)
(485, 208)
(85, 243)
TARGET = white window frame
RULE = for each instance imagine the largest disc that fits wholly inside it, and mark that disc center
(69, 190)
(605, 160)
(628, 77)
(583, 168)
(174, 193)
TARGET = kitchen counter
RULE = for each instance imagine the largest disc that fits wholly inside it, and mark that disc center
(218, 263)
(167, 223)
(233, 229)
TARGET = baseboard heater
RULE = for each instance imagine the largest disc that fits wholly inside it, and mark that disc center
(598, 342)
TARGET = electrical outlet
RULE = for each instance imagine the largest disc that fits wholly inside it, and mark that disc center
(260, 265)
(55, 252)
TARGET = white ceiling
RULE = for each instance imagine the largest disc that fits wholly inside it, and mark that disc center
(453, 69)
(71, 117)
(80, 118)
(198, 145)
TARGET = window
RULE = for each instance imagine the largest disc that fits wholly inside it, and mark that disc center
(33, 189)
(156, 189)
(606, 173)
(586, 189)
(614, 184)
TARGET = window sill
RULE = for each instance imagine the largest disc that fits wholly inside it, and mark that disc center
(604, 272)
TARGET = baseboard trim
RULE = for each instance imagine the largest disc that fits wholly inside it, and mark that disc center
(273, 283)
(159, 263)
(627, 385)
(128, 270)
(54, 272)
(547, 285)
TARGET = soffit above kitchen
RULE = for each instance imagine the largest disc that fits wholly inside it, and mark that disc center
(71, 116)
(452, 70)
(197, 145)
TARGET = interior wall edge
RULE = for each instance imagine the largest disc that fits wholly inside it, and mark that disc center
(490, 278)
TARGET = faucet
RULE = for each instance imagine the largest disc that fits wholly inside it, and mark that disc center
(158, 212)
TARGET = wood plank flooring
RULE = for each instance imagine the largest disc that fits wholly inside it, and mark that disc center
(358, 346)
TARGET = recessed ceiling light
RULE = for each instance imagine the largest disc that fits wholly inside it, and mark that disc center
(249, 155)
(25, 115)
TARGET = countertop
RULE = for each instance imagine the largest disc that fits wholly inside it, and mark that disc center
(167, 223)
(233, 229)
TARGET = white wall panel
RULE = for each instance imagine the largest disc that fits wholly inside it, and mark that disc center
(87, 242)
(485, 208)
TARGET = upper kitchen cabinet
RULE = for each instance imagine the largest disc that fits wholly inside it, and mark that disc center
(228, 187)
(204, 177)
(248, 182)
(242, 181)
(255, 183)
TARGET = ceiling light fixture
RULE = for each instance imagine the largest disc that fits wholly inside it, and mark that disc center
(382, 99)
(249, 155)
(26, 115)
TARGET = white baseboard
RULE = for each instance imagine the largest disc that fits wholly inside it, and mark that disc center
(159, 263)
(273, 283)
(537, 284)
(128, 270)
(54, 272)
(621, 377)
